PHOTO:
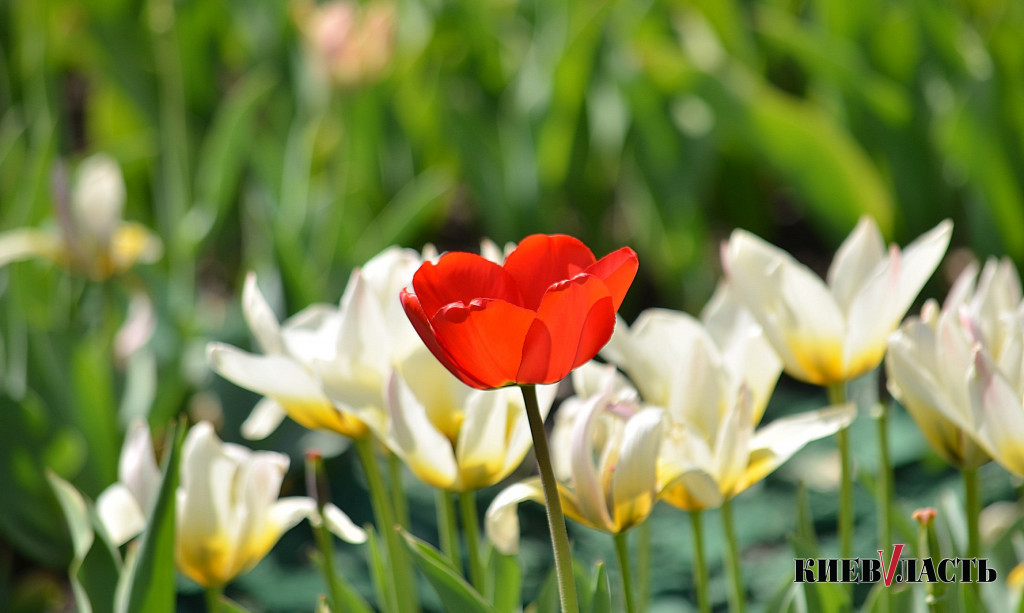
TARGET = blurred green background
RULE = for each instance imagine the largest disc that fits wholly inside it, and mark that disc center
(259, 136)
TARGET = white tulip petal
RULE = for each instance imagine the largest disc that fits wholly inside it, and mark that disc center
(746, 353)
(732, 442)
(702, 490)
(520, 440)
(425, 450)
(785, 436)
(635, 480)
(204, 506)
(587, 484)
(341, 525)
(120, 514)
(312, 333)
(480, 448)
(22, 244)
(855, 262)
(501, 522)
(265, 417)
(270, 375)
(364, 332)
(260, 317)
(98, 196)
(796, 310)
(997, 409)
(137, 468)
(918, 261)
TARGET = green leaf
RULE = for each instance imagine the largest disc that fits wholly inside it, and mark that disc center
(601, 602)
(225, 149)
(230, 606)
(505, 583)
(455, 592)
(151, 580)
(95, 568)
(378, 570)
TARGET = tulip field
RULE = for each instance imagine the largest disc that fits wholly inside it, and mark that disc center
(498, 306)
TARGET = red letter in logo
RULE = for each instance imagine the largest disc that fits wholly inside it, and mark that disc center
(889, 572)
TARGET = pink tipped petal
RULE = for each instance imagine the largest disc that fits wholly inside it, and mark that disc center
(419, 320)
(541, 260)
(487, 336)
(462, 277)
(617, 270)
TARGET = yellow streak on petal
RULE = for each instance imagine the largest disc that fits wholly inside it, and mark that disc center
(314, 414)
(678, 496)
(207, 561)
(819, 361)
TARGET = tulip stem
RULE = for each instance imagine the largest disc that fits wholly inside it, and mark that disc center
(884, 493)
(700, 569)
(643, 563)
(737, 595)
(553, 504)
(316, 487)
(973, 504)
(397, 491)
(448, 528)
(622, 550)
(213, 593)
(836, 396)
(402, 592)
(471, 528)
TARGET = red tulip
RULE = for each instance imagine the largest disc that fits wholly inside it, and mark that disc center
(549, 309)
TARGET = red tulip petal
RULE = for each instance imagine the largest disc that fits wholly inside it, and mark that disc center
(485, 338)
(462, 277)
(541, 260)
(414, 310)
(536, 355)
(597, 331)
(578, 314)
(617, 270)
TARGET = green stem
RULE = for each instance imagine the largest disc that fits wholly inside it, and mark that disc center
(402, 592)
(924, 551)
(884, 493)
(213, 598)
(737, 596)
(471, 529)
(837, 395)
(972, 496)
(448, 528)
(643, 563)
(397, 491)
(316, 487)
(622, 550)
(973, 503)
(700, 569)
(553, 505)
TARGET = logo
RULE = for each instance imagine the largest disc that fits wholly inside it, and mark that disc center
(895, 570)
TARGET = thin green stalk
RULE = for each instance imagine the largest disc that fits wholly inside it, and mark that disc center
(643, 563)
(884, 494)
(700, 569)
(924, 550)
(448, 527)
(316, 487)
(471, 529)
(402, 592)
(972, 496)
(973, 503)
(213, 598)
(737, 595)
(553, 505)
(397, 491)
(622, 550)
(837, 395)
